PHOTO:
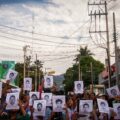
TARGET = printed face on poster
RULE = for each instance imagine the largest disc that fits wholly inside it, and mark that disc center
(11, 75)
(48, 81)
(28, 84)
(78, 87)
(0, 89)
(14, 90)
(39, 107)
(116, 107)
(12, 101)
(86, 106)
(113, 91)
(33, 96)
(103, 106)
(48, 98)
(58, 103)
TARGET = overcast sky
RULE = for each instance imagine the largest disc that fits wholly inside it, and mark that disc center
(54, 30)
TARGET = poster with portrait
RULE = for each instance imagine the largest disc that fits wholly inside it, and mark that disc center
(78, 87)
(58, 103)
(0, 89)
(48, 81)
(28, 84)
(48, 98)
(116, 107)
(113, 91)
(86, 106)
(39, 107)
(12, 101)
(11, 75)
(14, 90)
(103, 106)
(33, 96)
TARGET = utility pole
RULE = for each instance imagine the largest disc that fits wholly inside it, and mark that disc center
(116, 50)
(91, 70)
(25, 51)
(36, 75)
(79, 69)
(98, 14)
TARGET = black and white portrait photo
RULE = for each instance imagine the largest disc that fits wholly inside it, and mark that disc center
(86, 106)
(39, 107)
(12, 101)
(48, 98)
(113, 91)
(28, 84)
(103, 106)
(58, 103)
(48, 81)
(11, 75)
(33, 96)
(116, 107)
(78, 87)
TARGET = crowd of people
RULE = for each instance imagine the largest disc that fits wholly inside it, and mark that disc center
(73, 109)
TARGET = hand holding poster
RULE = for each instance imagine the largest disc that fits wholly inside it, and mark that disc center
(116, 107)
(48, 81)
(28, 84)
(103, 106)
(113, 91)
(86, 106)
(11, 75)
(33, 96)
(39, 107)
(78, 87)
(12, 101)
(58, 103)
(48, 98)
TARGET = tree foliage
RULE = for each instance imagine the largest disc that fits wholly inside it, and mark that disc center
(71, 74)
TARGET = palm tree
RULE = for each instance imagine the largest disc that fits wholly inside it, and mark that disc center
(83, 52)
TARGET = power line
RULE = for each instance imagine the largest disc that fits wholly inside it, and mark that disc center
(61, 37)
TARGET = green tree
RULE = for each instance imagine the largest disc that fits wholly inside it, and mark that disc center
(71, 74)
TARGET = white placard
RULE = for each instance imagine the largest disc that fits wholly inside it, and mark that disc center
(0, 89)
(116, 107)
(48, 98)
(14, 90)
(12, 101)
(78, 87)
(86, 106)
(33, 96)
(113, 91)
(103, 106)
(11, 75)
(48, 81)
(39, 108)
(58, 103)
(28, 84)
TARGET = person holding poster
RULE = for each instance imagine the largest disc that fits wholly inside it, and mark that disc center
(33, 96)
(116, 107)
(103, 106)
(48, 98)
(113, 91)
(58, 103)
(28, 84)
(12, 101)
(78, 86)
(39, 107)
(48, 83)
(11, 75)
